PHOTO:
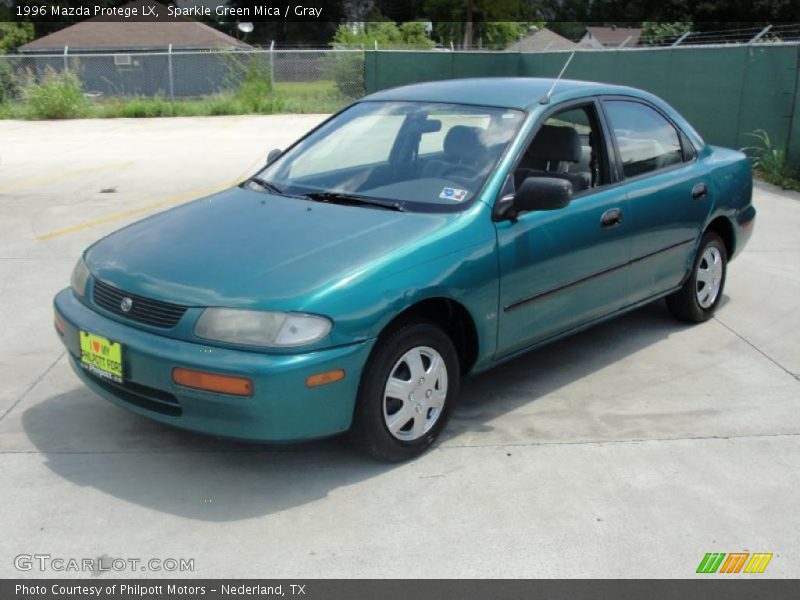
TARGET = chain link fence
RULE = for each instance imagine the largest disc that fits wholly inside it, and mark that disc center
(338, 74)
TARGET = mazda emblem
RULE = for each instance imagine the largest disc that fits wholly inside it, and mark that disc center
(126, 305)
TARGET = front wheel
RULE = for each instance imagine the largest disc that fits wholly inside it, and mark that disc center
(407, 392)
(697, 300)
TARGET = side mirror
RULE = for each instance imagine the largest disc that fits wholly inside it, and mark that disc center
(273, 155)
(542, 193)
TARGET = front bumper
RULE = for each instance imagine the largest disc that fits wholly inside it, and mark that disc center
(281, 409)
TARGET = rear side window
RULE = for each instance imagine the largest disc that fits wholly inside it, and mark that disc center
(646, 140)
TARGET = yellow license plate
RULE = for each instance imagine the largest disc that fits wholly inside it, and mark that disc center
(101, 356)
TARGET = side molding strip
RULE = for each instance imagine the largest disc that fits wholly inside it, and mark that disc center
(523, 301)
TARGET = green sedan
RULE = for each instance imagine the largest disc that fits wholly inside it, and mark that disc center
(421, 235)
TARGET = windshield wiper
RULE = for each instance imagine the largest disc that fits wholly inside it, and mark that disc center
(354, 199)
(266, 185)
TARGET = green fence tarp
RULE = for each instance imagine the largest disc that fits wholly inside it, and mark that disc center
(726, 93)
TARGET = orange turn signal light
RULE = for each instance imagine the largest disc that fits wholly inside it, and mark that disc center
(59, 323)
(213, 382)
(325, 378)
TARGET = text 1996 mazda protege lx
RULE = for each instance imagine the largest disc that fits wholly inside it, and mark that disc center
(423, 233)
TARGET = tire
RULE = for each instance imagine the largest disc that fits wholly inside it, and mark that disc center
(697, 300)
(395, 429)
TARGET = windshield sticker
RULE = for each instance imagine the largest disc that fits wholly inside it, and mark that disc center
(453, 194)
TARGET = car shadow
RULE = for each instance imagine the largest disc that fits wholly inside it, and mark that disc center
(93, 444)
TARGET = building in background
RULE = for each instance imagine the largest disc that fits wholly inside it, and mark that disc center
(94, 35)
(542, 40)
(611, 37)
(133, 58)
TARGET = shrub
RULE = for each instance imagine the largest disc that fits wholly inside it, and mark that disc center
(347, 69)
(769, 161)
(249, 79)
(9, 85)
(257, 82)
(386, 34)
(56, 96)
(136, 106)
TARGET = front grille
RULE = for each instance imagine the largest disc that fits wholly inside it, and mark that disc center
(144, 310)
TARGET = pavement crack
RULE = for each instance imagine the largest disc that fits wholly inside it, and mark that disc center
(305, 453)
(33, 385)
(757, 349)
(698, 438)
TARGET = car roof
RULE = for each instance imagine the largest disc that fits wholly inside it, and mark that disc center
(507, 92)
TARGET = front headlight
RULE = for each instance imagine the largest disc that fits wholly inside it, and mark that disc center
(80, 275)
(260, 328)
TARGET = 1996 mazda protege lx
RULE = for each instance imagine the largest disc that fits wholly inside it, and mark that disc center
(422, 234)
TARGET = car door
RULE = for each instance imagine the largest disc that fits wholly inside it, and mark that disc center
(669, 197)
(563, 268)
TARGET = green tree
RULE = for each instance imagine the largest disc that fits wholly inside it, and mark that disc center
(386, 33)
(706, 15)
(287, 32)
(655, 32)
(348, 67)
(14, 35)
(414, 35)
(500, 34)
(463, 22)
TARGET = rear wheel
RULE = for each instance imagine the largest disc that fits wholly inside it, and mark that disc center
(697, 300)
(407, 392)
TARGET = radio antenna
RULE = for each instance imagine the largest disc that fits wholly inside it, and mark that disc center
(546, 98)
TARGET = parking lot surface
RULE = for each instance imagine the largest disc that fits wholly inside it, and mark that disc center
(629, 450)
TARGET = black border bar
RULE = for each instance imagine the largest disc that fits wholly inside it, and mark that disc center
(733, 12)
(733, 587)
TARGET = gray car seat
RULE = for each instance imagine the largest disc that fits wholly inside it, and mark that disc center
(551, 153)
(464, 152)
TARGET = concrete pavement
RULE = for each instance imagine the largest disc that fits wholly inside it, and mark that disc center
(629, 450)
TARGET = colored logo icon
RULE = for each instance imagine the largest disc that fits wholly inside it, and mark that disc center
(734, 562)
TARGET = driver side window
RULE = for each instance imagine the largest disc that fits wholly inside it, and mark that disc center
(567, 146)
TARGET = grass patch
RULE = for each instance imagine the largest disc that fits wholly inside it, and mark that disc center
(307, 91)
(786, 182)
(770, 163)
(311, 96)
(56, 96)
(59, 96)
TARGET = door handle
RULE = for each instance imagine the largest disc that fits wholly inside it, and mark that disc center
(611, 218)
(699, 191)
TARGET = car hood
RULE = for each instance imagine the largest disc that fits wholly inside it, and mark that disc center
(243, 248)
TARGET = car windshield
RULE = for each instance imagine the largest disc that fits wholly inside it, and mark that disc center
(409, 155)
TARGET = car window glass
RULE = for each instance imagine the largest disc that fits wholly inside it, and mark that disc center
(565, 147)
(432, 142)
(364, 140)
(419, 154)
(689, 153)
(576, 118)
(646, 140)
